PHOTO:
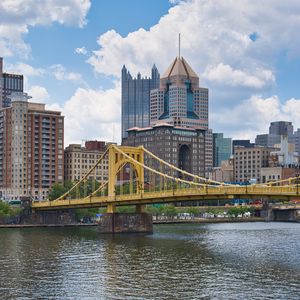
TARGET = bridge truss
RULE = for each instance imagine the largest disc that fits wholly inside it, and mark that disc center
(136, 177)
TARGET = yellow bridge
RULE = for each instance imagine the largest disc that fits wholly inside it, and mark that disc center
(137, 177)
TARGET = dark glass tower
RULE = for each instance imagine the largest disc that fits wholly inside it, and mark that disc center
(136, 99)
(9, 83)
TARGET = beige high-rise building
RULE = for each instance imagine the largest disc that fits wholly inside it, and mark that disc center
(79, 160)
(31, 149)
(179, 101)
(249, 161)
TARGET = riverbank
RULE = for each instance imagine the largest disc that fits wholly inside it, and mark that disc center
(175, 221)
(210, 220)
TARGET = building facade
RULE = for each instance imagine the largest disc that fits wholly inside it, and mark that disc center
(136, 99)
(249, 161)
(178, 131)
(79, 160)
(9, 83)
(241, 143)
(180, 101)
(31, 149)
(181, 147)
(276, 130)
(270, 174)
(221, 149)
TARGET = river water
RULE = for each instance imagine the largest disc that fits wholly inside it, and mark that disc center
(199, 261)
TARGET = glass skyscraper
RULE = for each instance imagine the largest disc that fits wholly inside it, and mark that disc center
(136, 99)
(221, 149)
(9, 83)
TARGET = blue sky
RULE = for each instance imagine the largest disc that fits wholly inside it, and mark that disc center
(72, 51)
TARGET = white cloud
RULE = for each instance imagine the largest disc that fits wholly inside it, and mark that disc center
(25, 69)
(225, 75)
(16, 16)
(92, 114)
(253, 116)
(81, 50)
(38, 93)
(217, 41)
(60, 73)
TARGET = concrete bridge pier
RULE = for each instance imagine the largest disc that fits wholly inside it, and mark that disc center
(113, 222)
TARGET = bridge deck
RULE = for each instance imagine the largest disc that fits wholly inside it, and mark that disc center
(174, 195)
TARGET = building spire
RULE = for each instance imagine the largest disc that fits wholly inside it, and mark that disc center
(179, 45)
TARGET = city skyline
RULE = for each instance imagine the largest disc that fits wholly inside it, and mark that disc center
(249, 65)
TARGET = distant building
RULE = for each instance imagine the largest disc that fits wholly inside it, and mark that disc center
(9, 83)
(181, 147)
(276, 130)
(295, 139)
(285, 156)
(224, 173)
(243, 143)
(249, 161)
(283, 163)
(31, 149)
(208, 151)
(136, 99)
(270, 174)
(281, 128)
(178, 131)
(221, 149)
(79, 160)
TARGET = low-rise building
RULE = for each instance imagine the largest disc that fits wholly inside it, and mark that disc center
(79, 160)
(278, 173)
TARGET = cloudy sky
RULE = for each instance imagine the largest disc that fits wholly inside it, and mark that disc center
(72, 51)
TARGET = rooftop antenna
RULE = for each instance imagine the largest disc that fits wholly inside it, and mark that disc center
(179, 46)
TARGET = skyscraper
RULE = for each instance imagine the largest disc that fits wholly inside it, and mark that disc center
(276, 130)
(178, 131)
(180, 101)
(31, 149)
(221, 148)
(136, 99)
(281, 128)
(9, 83)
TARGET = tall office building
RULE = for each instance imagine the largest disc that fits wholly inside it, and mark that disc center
(9, 83)
(221, 149)
(276, 130)
(281, 128)
(136, 99)
(31, 149)
(178, 131)
(180, 101)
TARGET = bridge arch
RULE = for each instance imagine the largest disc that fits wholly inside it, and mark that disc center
(117, 161)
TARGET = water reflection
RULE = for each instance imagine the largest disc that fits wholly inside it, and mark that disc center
(215, 261)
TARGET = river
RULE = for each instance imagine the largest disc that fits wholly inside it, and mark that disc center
(186, 261)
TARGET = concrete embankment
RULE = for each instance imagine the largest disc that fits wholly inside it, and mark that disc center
(209, 220)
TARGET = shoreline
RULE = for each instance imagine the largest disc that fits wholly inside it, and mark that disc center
(210, 220)
(155, 222)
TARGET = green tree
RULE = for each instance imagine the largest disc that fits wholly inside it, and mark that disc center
(7, 211)
(170, 211)
(234, 211)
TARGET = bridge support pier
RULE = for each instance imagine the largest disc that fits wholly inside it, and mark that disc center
(125, 223)
(111, 208)
(139, 208)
